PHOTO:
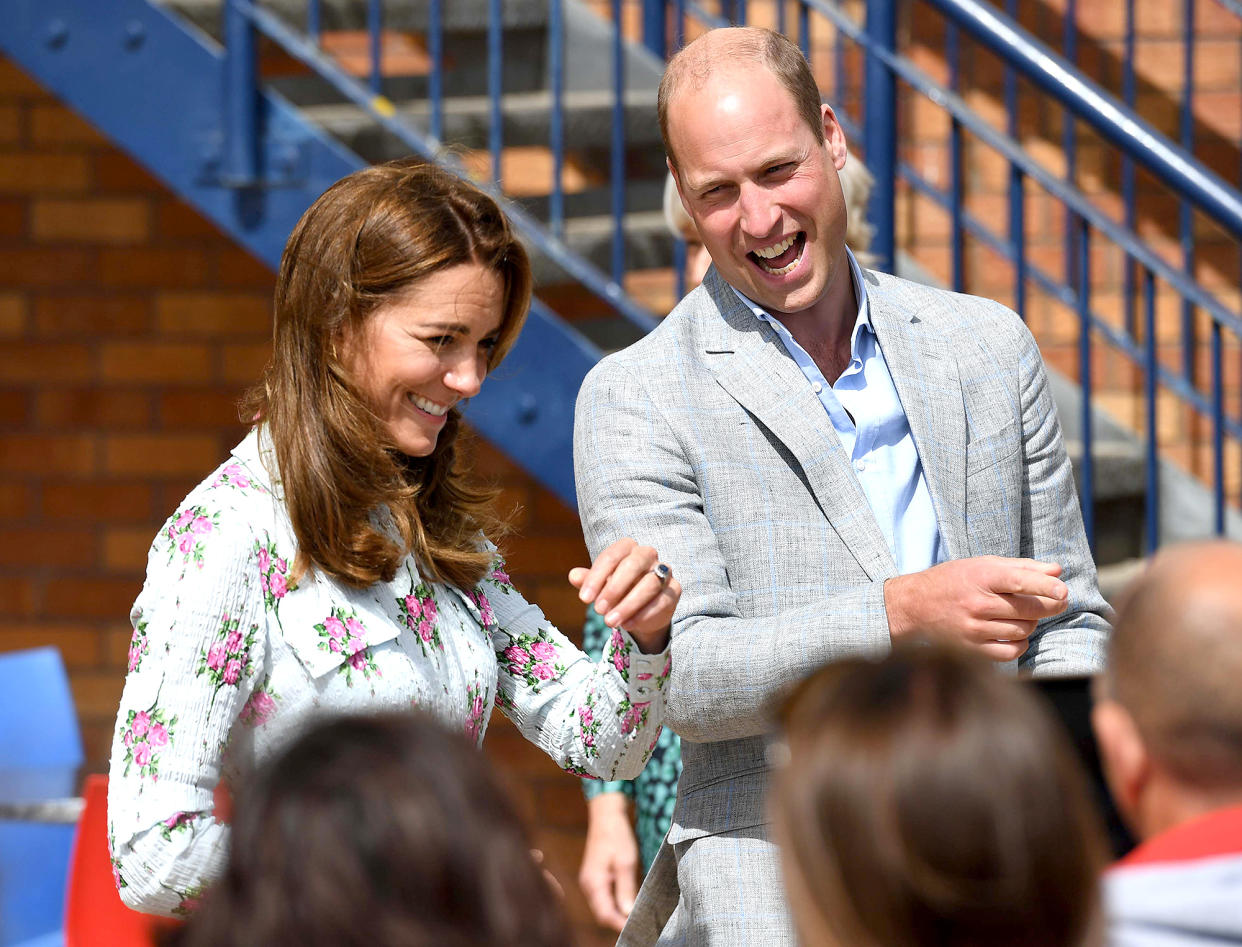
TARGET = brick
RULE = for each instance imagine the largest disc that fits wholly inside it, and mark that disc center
(97, 693)
(93, 315)
(12, 315)
(79, 645)
(12, 218)
(125, 549)
(198, 408)
(58, 125)
(212, 315)
(116, 639)
(115, 171)
(46, 362)
(10, 124)
(171, 363)
(17, 596)
(15, 82)
(153, 267)
(28, 172)
(554, 557)
(46, 546)
(91, 597)
(99, 501)
(59, 267)
(92, 408)
(16, 501)
(243, 364)
(48, 454)
(175, 218)
(14, 408)
(237, 268)
(161, 455)
(93, 220)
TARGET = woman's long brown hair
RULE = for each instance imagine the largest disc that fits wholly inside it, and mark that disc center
(366, 241)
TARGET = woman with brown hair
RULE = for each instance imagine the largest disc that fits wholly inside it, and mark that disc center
(338, 561)
(925, 800)
(378, 831)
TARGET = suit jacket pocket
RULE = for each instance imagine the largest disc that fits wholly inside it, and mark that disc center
(986, 450)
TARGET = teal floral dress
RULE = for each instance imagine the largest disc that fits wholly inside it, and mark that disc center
(654, 791)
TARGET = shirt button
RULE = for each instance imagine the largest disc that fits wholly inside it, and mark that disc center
(817, 387)
(860, 465)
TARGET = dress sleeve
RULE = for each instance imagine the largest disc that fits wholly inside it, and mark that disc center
(198, 646)
(595, 636)
(594, 718)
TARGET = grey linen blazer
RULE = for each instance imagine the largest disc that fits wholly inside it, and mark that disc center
(705, 440)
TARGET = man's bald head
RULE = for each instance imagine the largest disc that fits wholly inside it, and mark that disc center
(1175, 662)
(740, 48)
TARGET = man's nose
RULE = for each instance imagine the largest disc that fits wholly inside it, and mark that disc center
(760, 213)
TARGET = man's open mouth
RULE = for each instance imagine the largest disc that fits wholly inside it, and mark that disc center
(780, 258)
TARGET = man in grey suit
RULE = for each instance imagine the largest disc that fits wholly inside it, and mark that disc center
(830, 459)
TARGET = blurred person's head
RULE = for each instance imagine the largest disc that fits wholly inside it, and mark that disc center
(377, 831)
(399, 290)
(928, 800)
(1168, 710)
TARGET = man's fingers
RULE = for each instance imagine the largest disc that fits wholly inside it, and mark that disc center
(1025, 580)
(1027, 607)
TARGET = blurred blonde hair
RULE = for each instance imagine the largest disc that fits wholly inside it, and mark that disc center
(856, 183)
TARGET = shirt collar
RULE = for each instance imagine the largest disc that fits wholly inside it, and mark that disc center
(862, 320)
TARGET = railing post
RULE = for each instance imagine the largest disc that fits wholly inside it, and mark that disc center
(655, 33)
(241, 113)
(880, 129)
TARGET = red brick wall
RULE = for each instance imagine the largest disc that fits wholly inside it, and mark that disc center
(129, 326)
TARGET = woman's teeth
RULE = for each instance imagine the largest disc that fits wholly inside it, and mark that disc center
(439, 410)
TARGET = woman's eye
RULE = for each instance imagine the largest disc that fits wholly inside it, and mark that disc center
(439, 341)
(489, 345)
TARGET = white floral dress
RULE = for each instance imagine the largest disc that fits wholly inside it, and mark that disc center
(229, 658)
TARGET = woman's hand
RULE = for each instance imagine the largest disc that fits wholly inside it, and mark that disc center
(627, 589)
(609, 873)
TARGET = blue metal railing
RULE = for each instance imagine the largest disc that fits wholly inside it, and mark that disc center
(1088, 229)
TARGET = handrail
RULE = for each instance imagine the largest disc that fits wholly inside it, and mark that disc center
(385, 114)
(1088, 101)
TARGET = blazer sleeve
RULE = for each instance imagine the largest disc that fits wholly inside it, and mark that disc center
(1075, 641)
(634, 478)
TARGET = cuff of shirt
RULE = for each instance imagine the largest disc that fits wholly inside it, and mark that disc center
(648, 673)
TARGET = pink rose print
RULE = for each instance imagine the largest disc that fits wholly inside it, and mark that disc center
(138, 646)
(544, 650)
(341, 632)
(260, 707)
(543, 671)
(588, 726)
(632, 716)
(273, 576)
(498, 578)
(188, 531)
(517, 656)
(227, 659)
(235, 476)
(191, 901)
(475, 711)
(418, 612)
(486, 616)
(531, 658)
(620, 656)
(146, 734)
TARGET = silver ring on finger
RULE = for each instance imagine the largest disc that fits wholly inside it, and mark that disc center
(663, 572)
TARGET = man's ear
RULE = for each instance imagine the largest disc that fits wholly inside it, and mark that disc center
(1124, 756)
(834, 136)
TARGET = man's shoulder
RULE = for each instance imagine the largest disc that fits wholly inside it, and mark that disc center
(934, 302)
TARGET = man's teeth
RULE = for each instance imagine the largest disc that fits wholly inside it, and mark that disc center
(429, 406)
(782, 270)
(776, 249)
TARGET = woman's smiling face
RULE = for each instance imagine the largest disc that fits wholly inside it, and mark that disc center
(420, 354)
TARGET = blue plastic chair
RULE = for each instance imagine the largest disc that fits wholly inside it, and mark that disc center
(40, 755)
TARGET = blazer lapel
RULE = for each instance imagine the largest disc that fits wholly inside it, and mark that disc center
(753, 366)
(925, 374)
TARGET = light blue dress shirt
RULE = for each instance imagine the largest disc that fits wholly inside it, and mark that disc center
(867, 415)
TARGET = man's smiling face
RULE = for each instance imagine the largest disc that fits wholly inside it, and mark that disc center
(762, 190)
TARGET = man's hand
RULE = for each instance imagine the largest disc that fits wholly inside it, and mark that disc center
(609, 873)
(990, 604)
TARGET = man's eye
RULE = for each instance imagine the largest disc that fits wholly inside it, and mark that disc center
(780, 168)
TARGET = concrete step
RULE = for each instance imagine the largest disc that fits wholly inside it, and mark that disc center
(467, 121)
(460, 16)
